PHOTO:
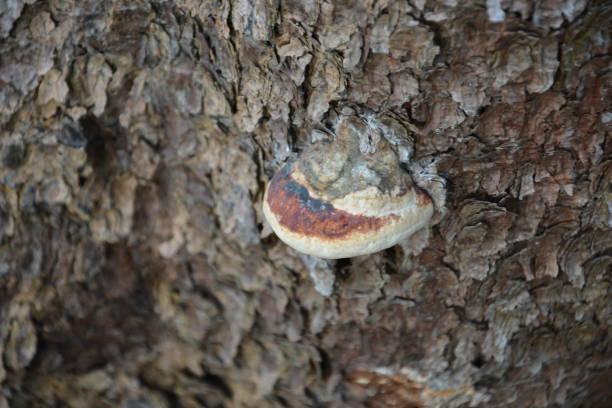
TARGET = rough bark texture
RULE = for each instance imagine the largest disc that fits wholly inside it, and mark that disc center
(136, 270)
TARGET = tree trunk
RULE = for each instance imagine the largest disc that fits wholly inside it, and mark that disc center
(136, 268)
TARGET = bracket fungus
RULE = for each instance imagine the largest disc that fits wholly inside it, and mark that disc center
(345, 198)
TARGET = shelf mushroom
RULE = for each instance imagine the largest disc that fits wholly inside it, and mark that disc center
(337, 201)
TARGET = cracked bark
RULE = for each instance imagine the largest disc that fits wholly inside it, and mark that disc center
(135, 267)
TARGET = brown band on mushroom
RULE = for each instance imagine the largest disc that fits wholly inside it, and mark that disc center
(301, 213)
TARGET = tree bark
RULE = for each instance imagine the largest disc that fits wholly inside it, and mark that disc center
(137, 271)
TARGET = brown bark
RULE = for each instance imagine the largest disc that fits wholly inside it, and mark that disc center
(136, 269)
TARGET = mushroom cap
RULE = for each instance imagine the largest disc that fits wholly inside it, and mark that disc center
(337, 202)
